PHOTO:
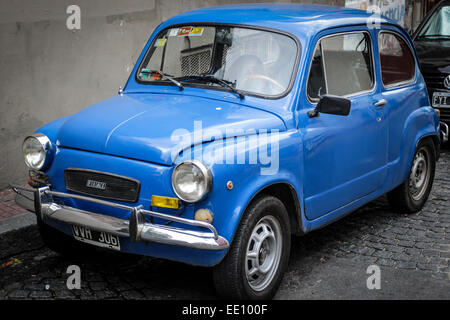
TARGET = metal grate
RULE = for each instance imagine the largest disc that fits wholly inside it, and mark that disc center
(224, 54)
(196, 60)
(102, 185)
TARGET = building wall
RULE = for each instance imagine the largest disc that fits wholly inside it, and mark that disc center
(48, 71)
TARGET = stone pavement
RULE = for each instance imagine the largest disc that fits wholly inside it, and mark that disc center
(412, 251)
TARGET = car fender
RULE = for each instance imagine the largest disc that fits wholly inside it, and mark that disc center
(421, 123)
(51, 129)
(229, 204)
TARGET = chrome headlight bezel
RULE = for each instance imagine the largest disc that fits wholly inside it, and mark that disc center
(207, 179)
(47, 150)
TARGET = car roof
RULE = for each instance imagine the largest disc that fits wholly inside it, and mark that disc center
(298, 19)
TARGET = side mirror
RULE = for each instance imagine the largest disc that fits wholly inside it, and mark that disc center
(332, 105)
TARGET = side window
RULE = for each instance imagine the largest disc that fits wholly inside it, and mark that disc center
(397, 61)
(342, 65)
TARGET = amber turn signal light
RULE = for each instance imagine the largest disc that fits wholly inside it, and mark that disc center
(165, 202)
(438, 112)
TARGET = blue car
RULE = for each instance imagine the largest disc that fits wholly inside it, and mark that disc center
(238, 127)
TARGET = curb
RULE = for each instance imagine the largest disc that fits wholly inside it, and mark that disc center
(17, 222)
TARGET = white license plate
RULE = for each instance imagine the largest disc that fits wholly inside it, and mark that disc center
(441, 99)
(97, 238)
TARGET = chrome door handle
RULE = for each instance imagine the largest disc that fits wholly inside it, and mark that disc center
(380, 103)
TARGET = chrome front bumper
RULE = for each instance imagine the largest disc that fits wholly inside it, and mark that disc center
(444, 132)
(41, 202)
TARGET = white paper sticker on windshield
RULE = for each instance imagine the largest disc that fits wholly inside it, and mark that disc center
(173, 32)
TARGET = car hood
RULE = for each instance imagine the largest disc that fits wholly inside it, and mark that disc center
(140, 126)
(433, 54)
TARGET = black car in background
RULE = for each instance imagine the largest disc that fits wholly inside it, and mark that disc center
(432, 41)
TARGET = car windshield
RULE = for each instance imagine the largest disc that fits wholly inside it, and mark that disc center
(239, 59)
(438, 26)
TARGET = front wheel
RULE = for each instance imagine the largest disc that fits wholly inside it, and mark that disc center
(258, 257)
(412, 194)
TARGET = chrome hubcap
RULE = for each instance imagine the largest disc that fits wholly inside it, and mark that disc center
(263, 253)
(420, 175)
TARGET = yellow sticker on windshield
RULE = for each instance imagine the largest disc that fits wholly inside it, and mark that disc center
(196, 31)
(160, 42)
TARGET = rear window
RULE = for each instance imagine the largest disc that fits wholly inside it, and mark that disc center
(397, 61)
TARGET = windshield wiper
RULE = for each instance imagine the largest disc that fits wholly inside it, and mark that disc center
(213, 79)
(165, 75)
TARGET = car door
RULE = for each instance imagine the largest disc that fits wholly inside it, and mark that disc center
(344, 156)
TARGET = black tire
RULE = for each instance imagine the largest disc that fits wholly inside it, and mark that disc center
(230, 276)
(62, 243)
(405, 198)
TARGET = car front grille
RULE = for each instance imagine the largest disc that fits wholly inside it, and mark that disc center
(434, 80)
(102, 185)
(445, 114)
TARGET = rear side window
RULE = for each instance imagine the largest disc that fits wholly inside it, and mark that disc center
(342, 65)
(397, 61)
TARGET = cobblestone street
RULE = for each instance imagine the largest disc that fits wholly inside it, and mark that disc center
(413, 252)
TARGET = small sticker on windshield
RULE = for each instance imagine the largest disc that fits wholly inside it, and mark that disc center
(144, 73)
(173, 32)
(160, 42)
(184, 31)
(196, 31)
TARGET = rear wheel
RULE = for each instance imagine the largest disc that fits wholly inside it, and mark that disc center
(412, 194)
(259, 254)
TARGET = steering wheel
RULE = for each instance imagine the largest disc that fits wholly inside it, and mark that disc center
(263, 77)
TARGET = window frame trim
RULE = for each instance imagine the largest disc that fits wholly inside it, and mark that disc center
(401, 83)
(323, 66)
(314, 101)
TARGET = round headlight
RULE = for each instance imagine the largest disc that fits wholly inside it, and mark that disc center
(37, 151)
(191, 180)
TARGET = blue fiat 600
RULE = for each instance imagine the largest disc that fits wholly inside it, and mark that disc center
(239, 126)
